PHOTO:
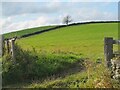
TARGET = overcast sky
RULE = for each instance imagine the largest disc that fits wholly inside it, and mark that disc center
(20, 15)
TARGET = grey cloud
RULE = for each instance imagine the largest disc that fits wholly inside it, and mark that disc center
(53, 13)
(17, 8)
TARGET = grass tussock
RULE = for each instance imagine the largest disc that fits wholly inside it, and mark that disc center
(91, 77)
(29, 66)
(54, 70)
(57, 59)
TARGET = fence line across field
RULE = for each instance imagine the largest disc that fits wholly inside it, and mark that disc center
(9, 44)
(108, 48)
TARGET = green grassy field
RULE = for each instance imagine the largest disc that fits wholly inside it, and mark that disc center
(56, 58)
(26, 31)
(87, 40)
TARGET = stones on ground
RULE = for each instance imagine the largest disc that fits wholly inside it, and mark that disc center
(116, 68)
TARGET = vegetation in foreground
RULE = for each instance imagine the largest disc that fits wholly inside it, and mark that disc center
(62, 58)
(58, 70)
(36, 66)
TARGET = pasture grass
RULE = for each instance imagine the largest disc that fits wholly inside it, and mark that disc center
(28, 66)
(25, 31)
(59, 56)
(90, 78)
(87, 40)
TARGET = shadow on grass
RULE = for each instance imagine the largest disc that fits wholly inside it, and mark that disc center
(30, 66)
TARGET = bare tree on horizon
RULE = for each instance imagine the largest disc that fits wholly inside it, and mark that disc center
(67, 19)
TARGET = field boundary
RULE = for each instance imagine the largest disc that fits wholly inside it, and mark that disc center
(61, 26)
(108, 49)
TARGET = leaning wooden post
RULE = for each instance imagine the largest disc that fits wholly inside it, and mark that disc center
(12, 49)
(108, 50)
(1, 45)
(7, 46)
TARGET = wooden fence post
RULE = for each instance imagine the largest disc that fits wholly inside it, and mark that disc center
(12, 49)
(108, 50)
(7, 46)
(1, 45)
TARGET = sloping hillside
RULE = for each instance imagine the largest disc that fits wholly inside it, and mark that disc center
(26, 31)
(83, 39)
(71, 57)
